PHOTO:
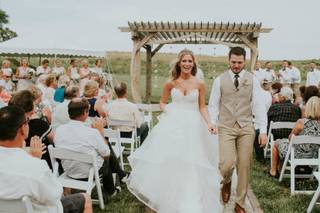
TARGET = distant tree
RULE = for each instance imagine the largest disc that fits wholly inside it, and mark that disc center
(5, 32)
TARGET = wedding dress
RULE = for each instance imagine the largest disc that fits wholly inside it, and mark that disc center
(176, 168)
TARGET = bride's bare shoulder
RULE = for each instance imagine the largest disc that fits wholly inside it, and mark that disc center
(168, 85)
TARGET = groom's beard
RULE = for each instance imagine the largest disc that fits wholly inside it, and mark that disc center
(236, 71)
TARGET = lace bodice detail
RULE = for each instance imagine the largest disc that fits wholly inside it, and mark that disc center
(188, 101)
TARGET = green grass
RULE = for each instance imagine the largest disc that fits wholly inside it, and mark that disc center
(274, 197)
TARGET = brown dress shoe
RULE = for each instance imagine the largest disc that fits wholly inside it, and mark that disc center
(239, 209)
(225, 192)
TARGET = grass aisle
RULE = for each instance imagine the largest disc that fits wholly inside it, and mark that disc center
(275, 197)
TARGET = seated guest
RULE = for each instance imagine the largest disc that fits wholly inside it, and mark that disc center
(122, 109)
(299, 100)
(284, 111)
(37, 127)
(276, 87)
(305, 126)
(48, 94)
(63, 82)
(4, 95)
(91, 91)
(42, 111)
(24, 174)
(76, 136)
(309, 92)
(60, 113)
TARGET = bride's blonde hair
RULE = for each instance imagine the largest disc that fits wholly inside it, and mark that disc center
(176, 70)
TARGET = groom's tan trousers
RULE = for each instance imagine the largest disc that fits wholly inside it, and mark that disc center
(236, 147)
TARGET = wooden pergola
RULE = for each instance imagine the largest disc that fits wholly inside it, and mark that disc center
(153, 35)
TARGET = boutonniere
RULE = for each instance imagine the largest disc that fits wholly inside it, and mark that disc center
(245, 82)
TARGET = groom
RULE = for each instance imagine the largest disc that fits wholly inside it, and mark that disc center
(233, 101)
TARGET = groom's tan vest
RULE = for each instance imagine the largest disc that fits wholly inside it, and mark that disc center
(235, 105)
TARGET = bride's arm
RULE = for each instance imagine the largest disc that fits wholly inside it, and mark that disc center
(165, 95)
(202, 105)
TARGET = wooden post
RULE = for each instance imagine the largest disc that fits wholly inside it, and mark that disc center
(148, 73)
(254, 53)
(135, 70)
(135, 65)
(253, 45)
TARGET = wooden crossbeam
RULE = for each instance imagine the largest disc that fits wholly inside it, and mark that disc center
(213, 30)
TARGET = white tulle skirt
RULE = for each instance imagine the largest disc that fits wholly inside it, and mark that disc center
(176, 168)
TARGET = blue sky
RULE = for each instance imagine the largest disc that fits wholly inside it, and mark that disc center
(93, 24)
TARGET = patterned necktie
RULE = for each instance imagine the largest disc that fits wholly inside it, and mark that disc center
(236, 80)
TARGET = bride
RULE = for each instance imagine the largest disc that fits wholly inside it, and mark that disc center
(176, 168)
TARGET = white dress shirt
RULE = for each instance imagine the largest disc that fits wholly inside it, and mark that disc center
(60, 115)
(266, 97)
(122, 109)
(259, 74)
(269, 75)
(258, 108)
(285, 77)
(24, 175)
(313, 78)
(295, 75)
(77, 137)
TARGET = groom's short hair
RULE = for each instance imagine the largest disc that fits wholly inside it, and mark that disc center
(237, 51)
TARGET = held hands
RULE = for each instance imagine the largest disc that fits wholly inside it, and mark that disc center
(263, 139)
(37, 148)
(213, 129)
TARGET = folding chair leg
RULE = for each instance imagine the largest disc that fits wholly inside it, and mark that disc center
(292, 179)
(100, 196)
(284, 165)
(314, 200)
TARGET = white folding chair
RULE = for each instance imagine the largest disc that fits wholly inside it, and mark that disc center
(23, 205)
(134, 140)
(273, 126)
(114, 138)
(93, 174)
(316, 195)
(270, 142)
(297, 140)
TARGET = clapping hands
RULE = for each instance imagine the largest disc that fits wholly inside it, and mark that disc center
(37, 148)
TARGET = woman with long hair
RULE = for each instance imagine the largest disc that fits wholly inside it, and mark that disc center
(176, 168)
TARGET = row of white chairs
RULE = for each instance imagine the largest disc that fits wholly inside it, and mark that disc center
(291, 162)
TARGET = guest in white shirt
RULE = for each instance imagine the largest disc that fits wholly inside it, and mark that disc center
(285, 74)
(60, 113)
(24, 174)
(122, 109)
(295, 78)
(44, 68)
(258, 72)
(266, 99)
(75, 135)
(269, 74)
(313, 76)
